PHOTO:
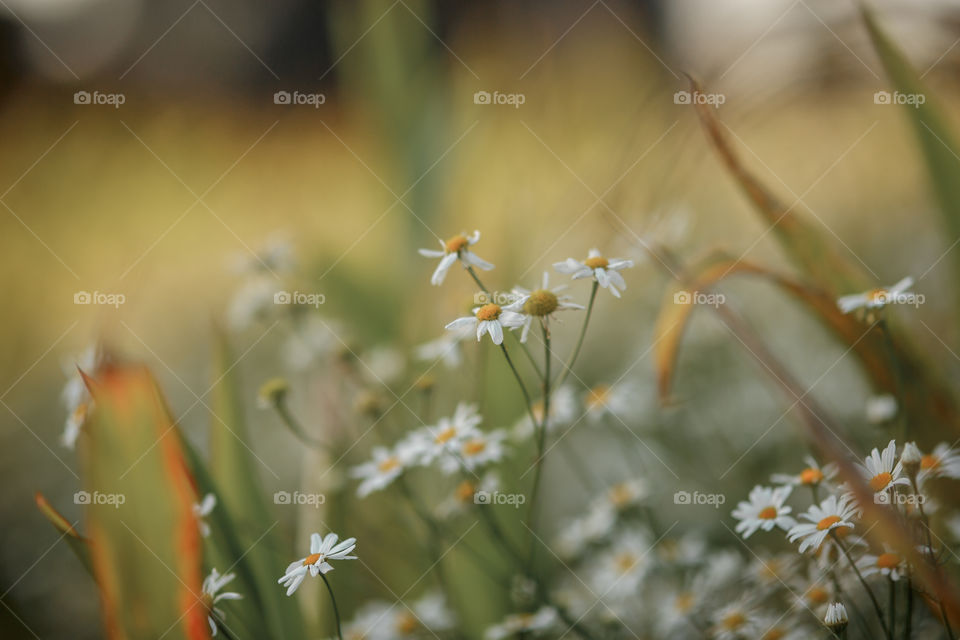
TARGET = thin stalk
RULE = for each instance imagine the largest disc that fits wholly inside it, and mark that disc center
(541, 446)
(333, 601)
(583, 332)
(892, 605)
(523, 387)
(933, 561)
(473, 274)
(222, 626)
(295, 427)
(908, 623)
(873, 598)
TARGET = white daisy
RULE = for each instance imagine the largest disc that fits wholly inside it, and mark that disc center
(448, 435)
(621, 400)
(813, 591)
(542, 303)
(888, 564)
(456, 248)
(464, 495)
(875, 299)
(943, 462)
(534, 624)
(812, 475)
(491, 318)
(312, 339)
(592, 527)
(211, 596)
(321, 550)
(733, 621)
(563, 411)
(832, 514)
(880, 409)
(764, 509)
(618, 570)
(476, 450)
(75, 396)
(379, 620)
(201, 510)
(605, 272)
(883, 470)
(385, 467)
(446, 347)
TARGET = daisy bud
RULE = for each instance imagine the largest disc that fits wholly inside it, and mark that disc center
(272, 393)
(836, 618)
(911, 459)
(425, 383)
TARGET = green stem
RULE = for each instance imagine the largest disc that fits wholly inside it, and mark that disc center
(473, 274)
(583, 332)
(908, 623)
(541, 446)
(523, 387)
(873, 598)
(333, 601)
(294, 426)
(892, 605)
(933, 560)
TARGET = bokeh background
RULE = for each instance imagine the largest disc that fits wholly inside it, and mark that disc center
(156, 198)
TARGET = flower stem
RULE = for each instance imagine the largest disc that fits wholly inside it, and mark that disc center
(523, 387)
(333, 601)
(901, 416)
(873, 598)
(583, 332)
(908, 623)
(473, 274)
(892, 605)
(295, 427)
(541, 445)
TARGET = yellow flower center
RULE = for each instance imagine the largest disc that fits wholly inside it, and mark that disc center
(445, 436)
(474, 447)
(888, 561)
(811, 476)
(406, 624)
(929, 461)
(878, 295)
(733, 621)
(774, 634)
(683, 602)
(768, 513)
(597, 262)
(454, 244)
(625, 561)
(817, 595)
(597, 397)
(827, 522)
(537, 410)
(880, 481)
(620, 495)
(541, 303)
(465, 491)
(488, 312)
(312, 559)
(388, 465)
